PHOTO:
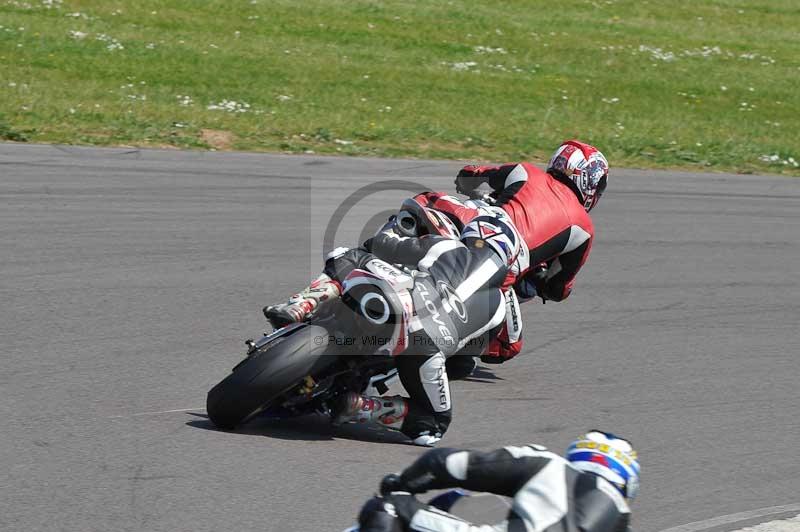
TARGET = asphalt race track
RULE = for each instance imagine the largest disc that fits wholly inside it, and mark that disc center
(130, 278)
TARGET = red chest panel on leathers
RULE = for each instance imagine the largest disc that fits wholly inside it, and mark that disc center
(544, 208)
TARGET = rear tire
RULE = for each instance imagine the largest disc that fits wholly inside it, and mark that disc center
(266, 374)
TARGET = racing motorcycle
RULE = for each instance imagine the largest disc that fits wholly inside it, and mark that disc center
(349, 345)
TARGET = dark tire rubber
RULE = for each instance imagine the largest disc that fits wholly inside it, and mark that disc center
(266, 374)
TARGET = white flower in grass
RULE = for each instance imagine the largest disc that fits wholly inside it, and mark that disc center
(77, 35)
(112, 44)
(283, 97)
(723, 88)
(462, 66)
(610, 100)
(705, 51)
(657, 53)
(184, 101)
(489, 50)
(777, 159)
(343, 142)
(230, 106)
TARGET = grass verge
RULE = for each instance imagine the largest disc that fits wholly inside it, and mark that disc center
(704, 84)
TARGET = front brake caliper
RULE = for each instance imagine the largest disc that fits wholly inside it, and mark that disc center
(308, 385)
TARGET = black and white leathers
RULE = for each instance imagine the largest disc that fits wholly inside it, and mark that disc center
(548, 494)
(465, 280)
(458, 304)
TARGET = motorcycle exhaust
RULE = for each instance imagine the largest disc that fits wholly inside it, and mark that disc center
(375, 308)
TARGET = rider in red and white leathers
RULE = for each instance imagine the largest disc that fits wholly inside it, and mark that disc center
(550, 210)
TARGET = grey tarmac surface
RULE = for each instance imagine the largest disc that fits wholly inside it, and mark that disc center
(129, 278)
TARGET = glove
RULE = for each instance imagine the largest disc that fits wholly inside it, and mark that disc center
(539, 275)
(533, 283)
(466, 180)
(390, 483)
(389, 228)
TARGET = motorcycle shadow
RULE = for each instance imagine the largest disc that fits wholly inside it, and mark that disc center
(306, 428)
(483, 374)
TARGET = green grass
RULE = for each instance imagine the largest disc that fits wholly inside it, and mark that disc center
(703, 84)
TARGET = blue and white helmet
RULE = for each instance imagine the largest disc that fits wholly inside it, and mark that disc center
(496, 231)
(608, 456)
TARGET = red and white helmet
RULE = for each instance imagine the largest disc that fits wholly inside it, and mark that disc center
(584, 166)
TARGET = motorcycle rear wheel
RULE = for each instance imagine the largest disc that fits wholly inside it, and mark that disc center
(267, 373)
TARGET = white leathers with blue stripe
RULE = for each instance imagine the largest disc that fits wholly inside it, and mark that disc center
(542, 504)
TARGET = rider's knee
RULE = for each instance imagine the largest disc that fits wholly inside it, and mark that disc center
(341, 261)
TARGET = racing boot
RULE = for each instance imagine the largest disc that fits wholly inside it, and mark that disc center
(302, 305)
(389, 412)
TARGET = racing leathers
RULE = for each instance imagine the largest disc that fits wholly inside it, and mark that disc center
(458, 306)
(508, 341)
(548, 494)
(551, 219)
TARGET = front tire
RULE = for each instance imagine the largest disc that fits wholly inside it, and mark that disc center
(266, 374)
